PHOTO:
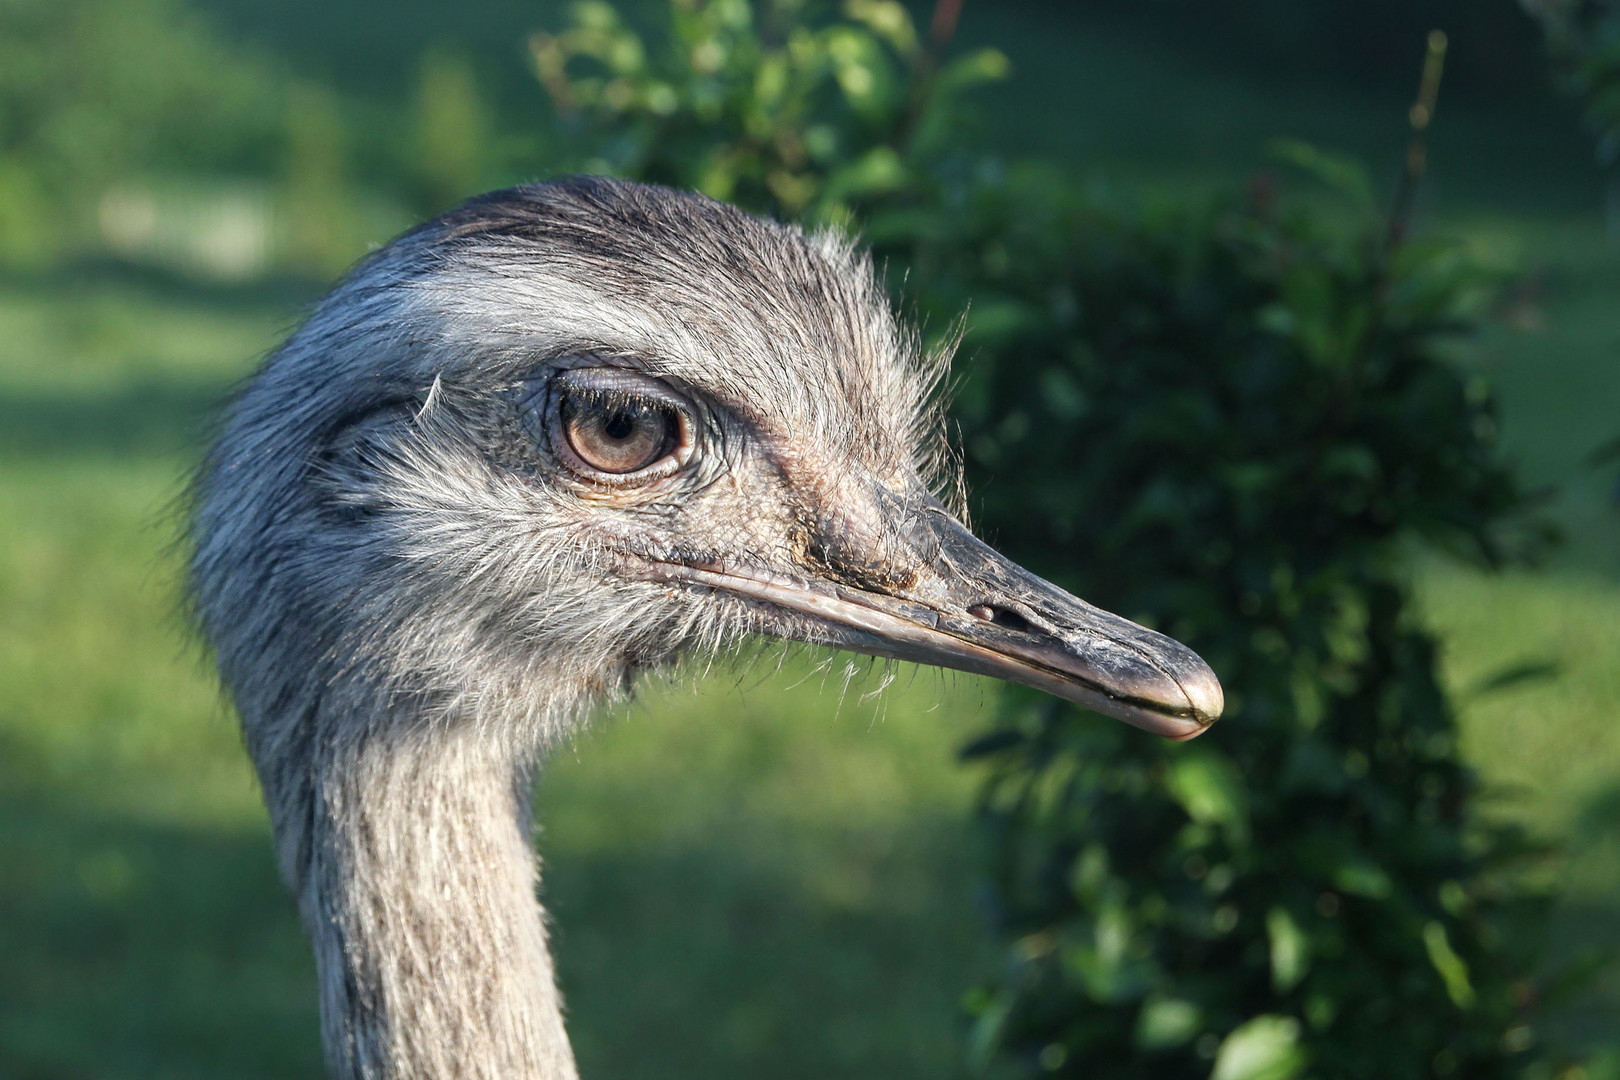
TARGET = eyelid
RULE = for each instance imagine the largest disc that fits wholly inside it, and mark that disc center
(608, 384)
(594, 398)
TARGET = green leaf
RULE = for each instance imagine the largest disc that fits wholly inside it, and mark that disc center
(1166, 1022)
(596, 15)
(972, 69)
(888, 19)
(1209, 789)
(985, 1035)
(1339, 172)
(1453, 970)
(878, 170)
(1104, 965)
(1360, 876)
(1265, 1048)
(993, 743)
(862, 69)
(1290, 950)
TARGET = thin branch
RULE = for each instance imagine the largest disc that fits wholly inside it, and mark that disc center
(1420, 117)
(943, 28)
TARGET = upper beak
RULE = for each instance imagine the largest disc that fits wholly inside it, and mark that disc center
(972, 609)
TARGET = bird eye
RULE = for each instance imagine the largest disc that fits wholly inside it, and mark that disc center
(611, 425)
(621, 435)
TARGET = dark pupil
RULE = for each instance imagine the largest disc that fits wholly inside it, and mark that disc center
(621, 424)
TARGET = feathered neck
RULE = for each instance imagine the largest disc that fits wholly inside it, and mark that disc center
(418, 892)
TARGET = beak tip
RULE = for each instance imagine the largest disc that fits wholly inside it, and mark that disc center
(1205, 700)
(1201, 701)
(1204, 696)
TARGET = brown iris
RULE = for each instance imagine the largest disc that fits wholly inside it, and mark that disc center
(619, 435)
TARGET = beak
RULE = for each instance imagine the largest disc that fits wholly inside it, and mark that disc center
(972, 609)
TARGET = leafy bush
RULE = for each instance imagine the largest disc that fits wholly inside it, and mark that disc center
(767, 108)
(1230, 422)
(1227, 423)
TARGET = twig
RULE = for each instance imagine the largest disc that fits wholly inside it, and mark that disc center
(943, 28)
(1417, 150)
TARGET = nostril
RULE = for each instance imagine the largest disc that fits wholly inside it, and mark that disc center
(1011, 620)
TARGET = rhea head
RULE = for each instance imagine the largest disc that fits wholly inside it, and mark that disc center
(573, 430)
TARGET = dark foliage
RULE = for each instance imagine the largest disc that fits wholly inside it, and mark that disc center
(1227, 422)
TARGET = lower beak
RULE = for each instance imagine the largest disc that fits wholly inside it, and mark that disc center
(974, 610)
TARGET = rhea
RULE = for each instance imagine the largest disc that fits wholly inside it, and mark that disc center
(560, 436)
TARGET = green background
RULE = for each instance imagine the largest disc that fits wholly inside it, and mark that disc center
(762, 870)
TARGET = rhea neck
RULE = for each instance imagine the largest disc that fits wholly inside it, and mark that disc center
(417, 887)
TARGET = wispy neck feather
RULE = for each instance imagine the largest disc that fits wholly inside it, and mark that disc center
(420, 902)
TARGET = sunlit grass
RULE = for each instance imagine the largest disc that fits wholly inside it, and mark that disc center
(1552, 745)
(1549, 749)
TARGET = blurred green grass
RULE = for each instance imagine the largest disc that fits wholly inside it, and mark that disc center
(751, 874)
